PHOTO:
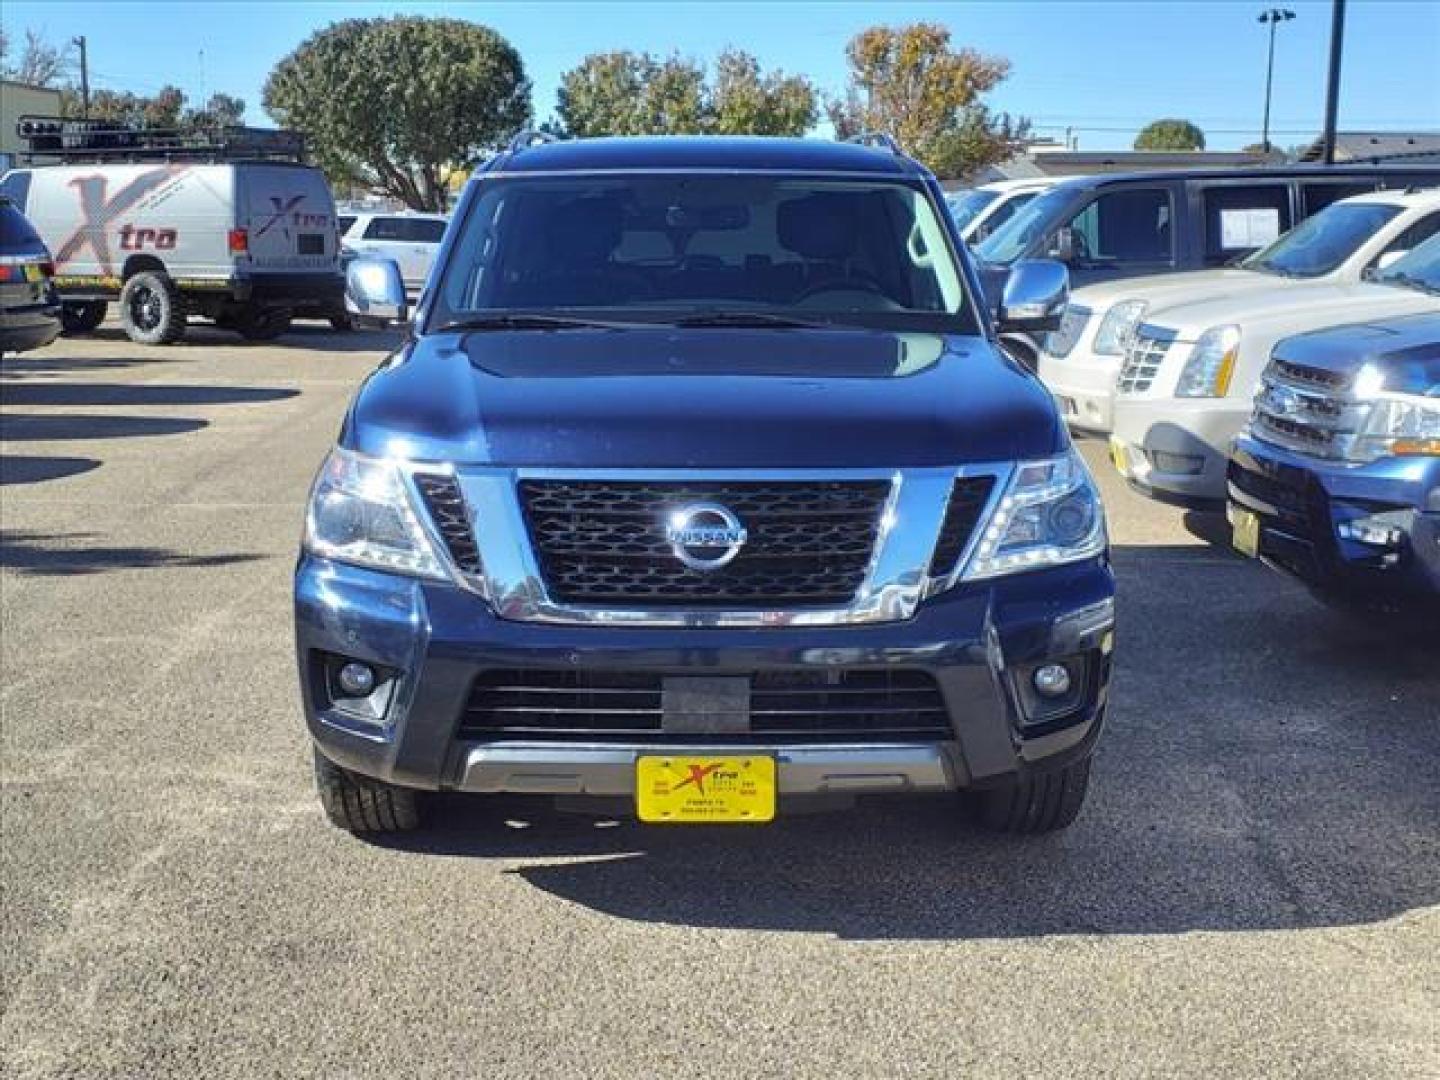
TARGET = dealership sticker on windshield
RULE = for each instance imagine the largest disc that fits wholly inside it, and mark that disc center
(692, 790)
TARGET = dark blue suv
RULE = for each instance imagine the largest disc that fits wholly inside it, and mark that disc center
(702, 484)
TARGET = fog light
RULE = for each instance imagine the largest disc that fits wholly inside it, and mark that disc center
(1052, 680)
(356, 680)
(1177, 464)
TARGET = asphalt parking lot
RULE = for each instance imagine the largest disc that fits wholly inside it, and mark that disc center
(1252, 890)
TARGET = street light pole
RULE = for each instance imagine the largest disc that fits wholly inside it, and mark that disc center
(1273, 16)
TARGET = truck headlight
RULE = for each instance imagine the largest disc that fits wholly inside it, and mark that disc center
(1397, 425)
(1211, 365)
(360, 512)
(1049, 514)
(1117, 326)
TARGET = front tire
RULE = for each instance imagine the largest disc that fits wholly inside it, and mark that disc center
(82, 318)
(360, 804)
(1039, 802)
(152, 309)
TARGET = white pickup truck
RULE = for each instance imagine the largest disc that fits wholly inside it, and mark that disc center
(1190, 372)
(1338, 245)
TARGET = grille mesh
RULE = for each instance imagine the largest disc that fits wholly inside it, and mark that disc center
(967, 502)
(809, 542)
(600, 705)
(447, 509)
(1143, 357)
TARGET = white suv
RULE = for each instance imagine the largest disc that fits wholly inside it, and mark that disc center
(409, 238)
(978, 212)
(1190, 372)
(1338, 245)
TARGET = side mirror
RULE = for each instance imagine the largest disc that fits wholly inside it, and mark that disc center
(375, 291)
(1034, 299)
(1062, 245)
(1389, 258)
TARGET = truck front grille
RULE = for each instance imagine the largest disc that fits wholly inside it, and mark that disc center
(1143, 357)
(808, 544)
(1305, 409)
(891, 704)
(968, 496)
(446, 504)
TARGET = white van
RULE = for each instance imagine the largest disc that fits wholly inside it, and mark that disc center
(247, 242)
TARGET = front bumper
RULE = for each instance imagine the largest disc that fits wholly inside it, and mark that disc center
(1176, 449)
(1302, 502)
(1084, 385)
(437, 640)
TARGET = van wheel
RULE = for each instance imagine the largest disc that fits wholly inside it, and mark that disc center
(262, 324)
(359, 804)
(1038, 803)
(152, 309)
(82, 318)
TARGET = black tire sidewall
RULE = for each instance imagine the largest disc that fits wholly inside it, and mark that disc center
(171, 325)
(81, 317)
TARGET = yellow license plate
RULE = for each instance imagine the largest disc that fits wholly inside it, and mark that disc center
(33, 273)
(1245, 532)
(693, 790)
(1118, 456)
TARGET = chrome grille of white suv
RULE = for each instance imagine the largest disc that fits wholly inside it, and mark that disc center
(1144, 354)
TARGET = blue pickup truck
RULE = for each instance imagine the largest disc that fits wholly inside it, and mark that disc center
(1336, 479)
(702, 484)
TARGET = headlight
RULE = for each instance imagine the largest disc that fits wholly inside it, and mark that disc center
(1398, 425)
(1050, 514)
(360, 512)
(1211, 365)
(1117, 326)
(1059, 342)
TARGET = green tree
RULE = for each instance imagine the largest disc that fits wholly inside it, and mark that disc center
(222, 110)
(402, 101)
(1170, 135)
(628, 93)
(909, 83)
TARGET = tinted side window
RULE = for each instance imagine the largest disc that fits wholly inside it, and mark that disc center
(1240, 219)
(425, 230)
(1315, 197)
(16, 186)
(386, 228)
(1420, 231)
(1132, 226)
(343, 223)
(1003, 213)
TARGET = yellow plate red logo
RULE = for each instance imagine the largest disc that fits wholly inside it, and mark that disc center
(689, 789)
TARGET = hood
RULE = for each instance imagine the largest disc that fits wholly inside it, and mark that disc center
(703, 398)
(1167, 289)
(1315, 305)
(1406, 349)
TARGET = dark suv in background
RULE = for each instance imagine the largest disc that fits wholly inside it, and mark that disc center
(29, 306)
(702, 484)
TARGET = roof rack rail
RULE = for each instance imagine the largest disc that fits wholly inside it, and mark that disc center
(57, 138)
(878, 139)
(530, 137)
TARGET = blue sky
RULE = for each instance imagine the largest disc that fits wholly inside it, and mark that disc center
(1102, 68)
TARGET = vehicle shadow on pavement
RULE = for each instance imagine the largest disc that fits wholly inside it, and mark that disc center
(18, 469)
(1267, 780)
(43, 365)
(41, 554)
(301, 335)
(136, 394)
(59, 427)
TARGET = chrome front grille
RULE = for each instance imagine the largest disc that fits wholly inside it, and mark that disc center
(1308, 410)
(1144, 353)
(808, 543)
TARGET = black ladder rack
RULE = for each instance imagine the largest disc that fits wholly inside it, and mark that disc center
(59, 139)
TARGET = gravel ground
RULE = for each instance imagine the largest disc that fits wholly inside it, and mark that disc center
(1252, 889)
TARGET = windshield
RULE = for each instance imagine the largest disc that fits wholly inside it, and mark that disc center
(727, 248)
(1420, 269)
(1012, 239)
(966, 206)
(1321, 243)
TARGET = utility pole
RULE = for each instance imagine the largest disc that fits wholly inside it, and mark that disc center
(84, 78)
(1274, 16)
(1332, 89)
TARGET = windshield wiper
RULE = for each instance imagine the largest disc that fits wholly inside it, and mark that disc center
(526, 321)
(746, 318)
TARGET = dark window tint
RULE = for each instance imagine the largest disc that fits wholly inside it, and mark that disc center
(1420, 231)
(344, 221)
(385, 228)
(1315, 197)
(1003, 213)
(1241, 218)
(407, 230)
(1128, 226)
(16, 187)
(426, 230)
(17, 237)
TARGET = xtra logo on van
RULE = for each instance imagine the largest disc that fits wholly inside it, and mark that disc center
(99, 213)
(286, 215)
